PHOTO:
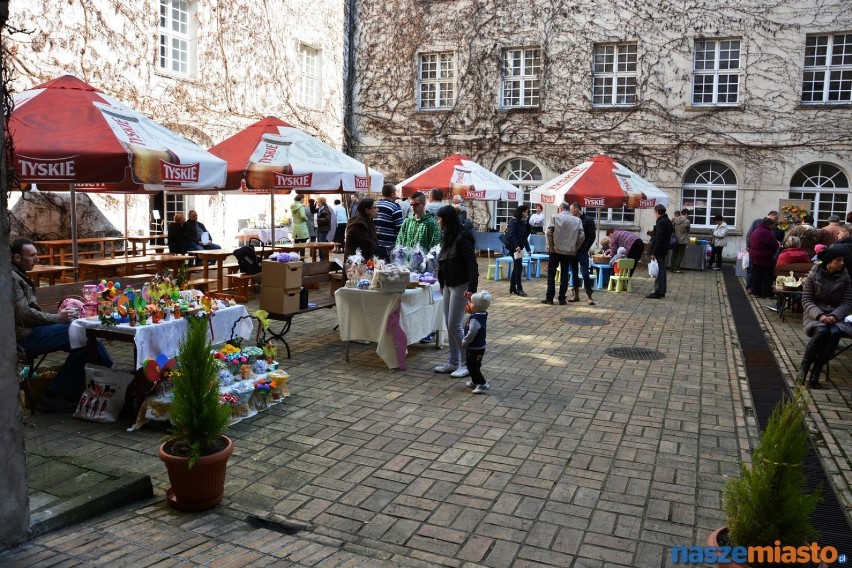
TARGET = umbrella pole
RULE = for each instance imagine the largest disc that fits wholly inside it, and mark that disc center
(272, 214)
(74, 249)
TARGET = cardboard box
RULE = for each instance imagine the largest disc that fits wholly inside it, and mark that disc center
(283, 275)
(278, 300)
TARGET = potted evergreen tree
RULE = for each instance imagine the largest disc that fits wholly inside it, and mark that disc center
(196, 451)
(768, 504)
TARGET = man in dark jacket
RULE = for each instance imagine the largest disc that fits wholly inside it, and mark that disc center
(580, 264)
(660, 244)
(38, 332)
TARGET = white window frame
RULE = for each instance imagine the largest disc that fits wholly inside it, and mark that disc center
(614, 71)
(436, 76)
(827, 72)
(177, 37)
(825, 186)
(523, 174)
(520, 78)
(310, 75)
(714, 67)
(715, 191)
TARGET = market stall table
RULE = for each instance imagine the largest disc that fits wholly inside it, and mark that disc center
(143, 240)
(219, 256)
(694, 258)
(59, 250)
(267, 236)
(364, 315)
(48, 272)
(604, 271)
(152, 339)
(127, 265)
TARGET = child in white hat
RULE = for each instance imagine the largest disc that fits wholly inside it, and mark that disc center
(474, 339)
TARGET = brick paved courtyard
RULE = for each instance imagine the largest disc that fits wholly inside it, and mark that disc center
(573, 458)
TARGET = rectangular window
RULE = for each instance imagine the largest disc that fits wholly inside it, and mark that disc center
(437, 77)
(614, 75)
(521, 78)
(309, 75)
(177, 37)
(716, 72)
(704, 204)
(827, 76)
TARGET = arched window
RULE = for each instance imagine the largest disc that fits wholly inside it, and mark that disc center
(710, 189)
(524, 175)
(825, 186)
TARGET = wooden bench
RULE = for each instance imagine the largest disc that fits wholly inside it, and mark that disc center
(313, 273)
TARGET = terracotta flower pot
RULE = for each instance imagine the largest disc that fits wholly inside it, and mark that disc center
(713, 540)
(201, 487)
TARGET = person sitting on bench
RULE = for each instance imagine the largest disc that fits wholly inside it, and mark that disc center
(39, 332)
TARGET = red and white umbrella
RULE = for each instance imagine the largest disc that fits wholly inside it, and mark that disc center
(601, 182)
(459, 175)
(70, 136)
(271, 156)
(68, 133)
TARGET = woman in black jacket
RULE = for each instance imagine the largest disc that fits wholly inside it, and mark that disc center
(361, 232)
(458, 276)
(517, 238)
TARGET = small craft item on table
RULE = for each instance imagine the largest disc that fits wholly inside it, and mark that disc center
(249, 381)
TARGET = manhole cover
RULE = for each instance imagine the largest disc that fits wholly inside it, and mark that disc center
(585, 321)
(635, 353)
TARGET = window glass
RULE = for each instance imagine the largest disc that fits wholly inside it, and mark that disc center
(437, 80)
(710, 189)
(827, 74)
(716, 72)
(521, 78)
(826, 187)
(614, 75)
(176, 45)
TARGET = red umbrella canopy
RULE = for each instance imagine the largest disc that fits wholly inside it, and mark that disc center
(273, 155)
(68, 132)
(593, 184)
(459, 175)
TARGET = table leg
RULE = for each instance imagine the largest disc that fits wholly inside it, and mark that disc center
(220, 277)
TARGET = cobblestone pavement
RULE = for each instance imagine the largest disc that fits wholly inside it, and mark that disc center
(573, 458)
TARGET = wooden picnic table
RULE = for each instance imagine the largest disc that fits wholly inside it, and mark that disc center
(59, 250)
(143, 240)
(302, 247)
(219, 256)
(127, 265)
(48, 271)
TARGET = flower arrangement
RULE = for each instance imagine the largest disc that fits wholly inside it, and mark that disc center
(791, 214)
(231, 358)
(109, 289)
(263, 388)
(285, 256)
(253, 353)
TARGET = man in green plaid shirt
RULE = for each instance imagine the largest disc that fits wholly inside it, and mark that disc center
(421, 228)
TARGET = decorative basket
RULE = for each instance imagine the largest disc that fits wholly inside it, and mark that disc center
(393, 281)
(601, 259)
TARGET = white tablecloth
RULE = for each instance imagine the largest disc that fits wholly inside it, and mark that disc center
(164, 337)
(265, 235)
(363, 315)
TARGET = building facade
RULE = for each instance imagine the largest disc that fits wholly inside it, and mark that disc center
(728, 107)
(203, 69)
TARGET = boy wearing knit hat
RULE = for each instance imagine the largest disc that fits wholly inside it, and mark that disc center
(474, 340)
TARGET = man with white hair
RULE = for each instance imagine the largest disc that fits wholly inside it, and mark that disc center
(564, 237)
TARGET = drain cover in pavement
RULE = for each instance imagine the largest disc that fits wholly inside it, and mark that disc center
(635, 353)
(585, 321)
